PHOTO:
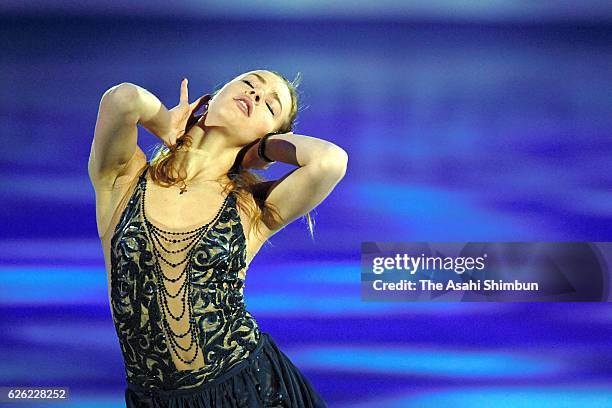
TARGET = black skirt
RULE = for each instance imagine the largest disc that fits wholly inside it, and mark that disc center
(266, 378)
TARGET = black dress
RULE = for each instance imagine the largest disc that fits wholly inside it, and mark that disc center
(230, 362)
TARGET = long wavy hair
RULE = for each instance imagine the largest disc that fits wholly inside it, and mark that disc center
(242, 181)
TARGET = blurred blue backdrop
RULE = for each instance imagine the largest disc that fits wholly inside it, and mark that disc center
(463, 120)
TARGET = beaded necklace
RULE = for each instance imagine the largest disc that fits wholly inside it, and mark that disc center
(194, 235)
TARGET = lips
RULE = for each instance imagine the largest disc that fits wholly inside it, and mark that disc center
(247, 101)
(242, 107)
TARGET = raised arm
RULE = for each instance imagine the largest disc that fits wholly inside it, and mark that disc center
(122, 108)
(321, 165)
(115, 136)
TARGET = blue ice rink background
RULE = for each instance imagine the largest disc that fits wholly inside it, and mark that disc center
(463, 122)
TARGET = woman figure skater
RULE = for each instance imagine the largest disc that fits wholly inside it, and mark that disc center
(180, 230)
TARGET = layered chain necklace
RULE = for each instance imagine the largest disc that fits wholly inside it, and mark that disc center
(158, 235)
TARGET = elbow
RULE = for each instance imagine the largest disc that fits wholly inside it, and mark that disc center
(122, 96)
(334, 162)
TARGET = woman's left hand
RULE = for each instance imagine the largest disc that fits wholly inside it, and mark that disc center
(251, 159)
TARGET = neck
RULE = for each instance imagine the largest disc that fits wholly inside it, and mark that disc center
(209, 156)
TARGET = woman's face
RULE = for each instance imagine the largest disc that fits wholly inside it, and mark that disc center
(270, 106)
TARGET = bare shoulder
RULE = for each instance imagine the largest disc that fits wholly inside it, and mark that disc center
(112, 191)
(267, 225)
(121, 176)
(256, 232)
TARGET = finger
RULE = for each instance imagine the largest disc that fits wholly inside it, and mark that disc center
(184, 92)
(171, 140)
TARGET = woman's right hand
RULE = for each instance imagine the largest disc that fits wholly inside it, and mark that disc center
(181, 114)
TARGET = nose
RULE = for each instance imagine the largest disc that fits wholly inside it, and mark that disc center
(257, 93)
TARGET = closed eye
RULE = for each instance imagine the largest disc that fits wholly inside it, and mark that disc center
(249, 84)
